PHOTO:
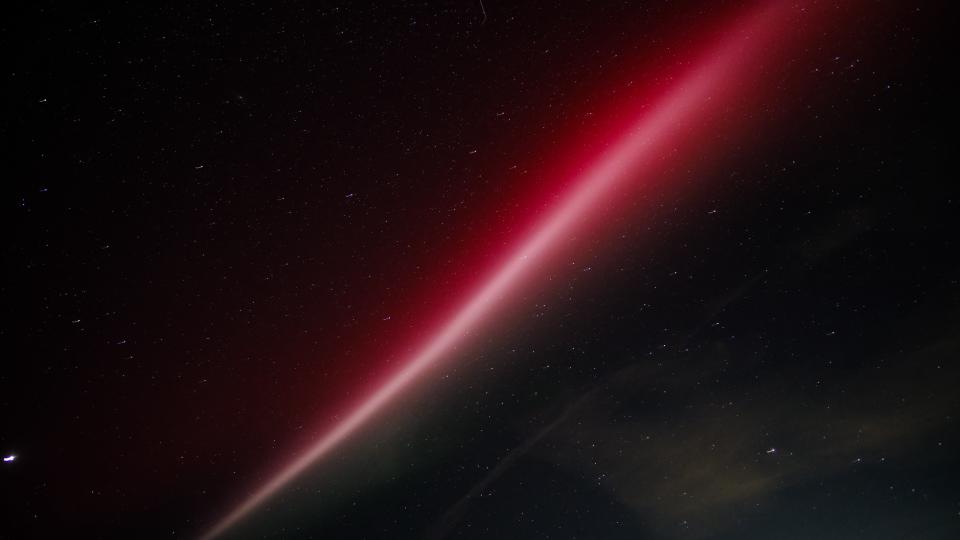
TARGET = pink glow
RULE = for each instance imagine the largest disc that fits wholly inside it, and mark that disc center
(707, 87)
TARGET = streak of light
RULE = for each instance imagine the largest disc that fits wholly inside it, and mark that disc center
(658, 131)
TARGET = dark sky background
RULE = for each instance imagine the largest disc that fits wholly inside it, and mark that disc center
(222, 219)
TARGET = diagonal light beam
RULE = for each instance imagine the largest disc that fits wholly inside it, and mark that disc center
(707, 87)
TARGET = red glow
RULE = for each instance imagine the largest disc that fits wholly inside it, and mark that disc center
(676, 119)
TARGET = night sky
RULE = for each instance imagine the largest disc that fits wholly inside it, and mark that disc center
(230, 225)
